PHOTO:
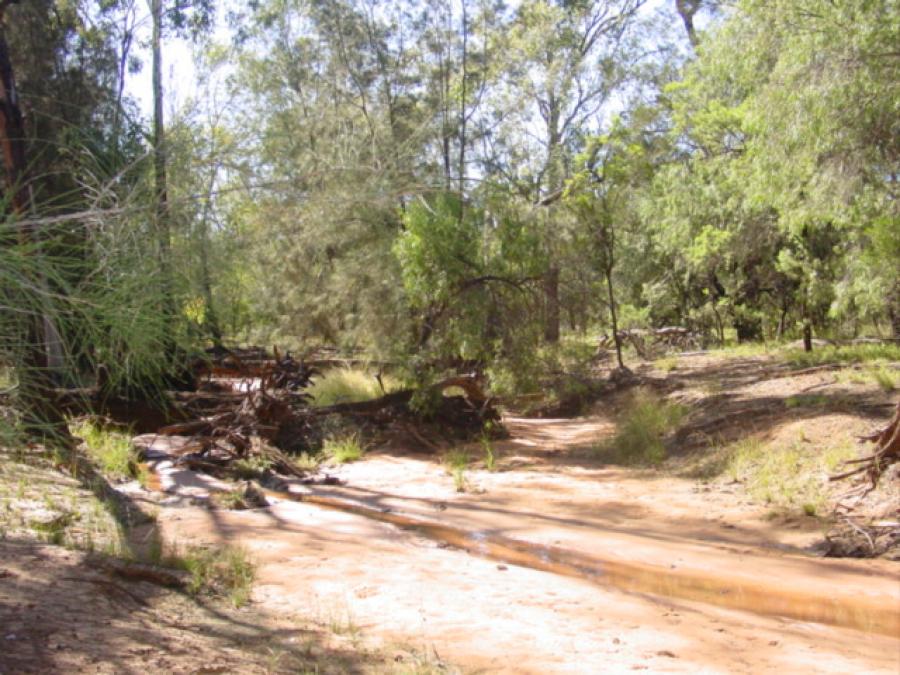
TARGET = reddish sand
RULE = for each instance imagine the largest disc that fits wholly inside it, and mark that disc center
(402, 586)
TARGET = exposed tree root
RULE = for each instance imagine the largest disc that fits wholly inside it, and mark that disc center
(887, 452)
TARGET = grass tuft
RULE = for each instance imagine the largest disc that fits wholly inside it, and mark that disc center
(666, 364)
(641, 430)
(225, 571)
(112, 451)
(343, 449)
(490, 454)
(251, 468)
(348, 385)
(457, 462)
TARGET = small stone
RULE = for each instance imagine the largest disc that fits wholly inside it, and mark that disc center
(502, 568)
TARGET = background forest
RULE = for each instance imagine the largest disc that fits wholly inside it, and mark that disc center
(434, 183)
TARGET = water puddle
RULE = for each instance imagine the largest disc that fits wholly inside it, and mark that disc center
(768, 597)
(760, 597)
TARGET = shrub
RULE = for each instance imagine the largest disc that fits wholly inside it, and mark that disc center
(641, 430)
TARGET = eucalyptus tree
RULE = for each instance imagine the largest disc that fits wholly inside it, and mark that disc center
(565, 62)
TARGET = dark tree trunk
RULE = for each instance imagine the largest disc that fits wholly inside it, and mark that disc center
(614, 317)
(551, 305)
(686, 10)
(807, 335)
(163, 230)
(893, 310)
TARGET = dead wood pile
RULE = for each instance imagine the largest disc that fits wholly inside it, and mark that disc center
(220, 425)
(658, 340)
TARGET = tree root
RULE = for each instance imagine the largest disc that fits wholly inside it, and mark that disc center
(887, 452)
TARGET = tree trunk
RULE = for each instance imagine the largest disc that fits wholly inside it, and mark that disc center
(35, 374)
(551, 305)
(782, 322)
(163, 230)
(686, 10)
(893, 303)
(807, 335)
(614, 317)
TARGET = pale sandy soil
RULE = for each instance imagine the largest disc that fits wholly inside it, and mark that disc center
(491, 615)
(60, 613)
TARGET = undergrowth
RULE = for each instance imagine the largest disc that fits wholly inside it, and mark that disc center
(864, 353)
(786, 475)
(641, 430)
(887, 378)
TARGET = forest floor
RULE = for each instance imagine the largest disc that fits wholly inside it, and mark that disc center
(553, 561)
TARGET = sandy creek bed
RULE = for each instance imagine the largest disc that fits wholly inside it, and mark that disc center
(407, 586)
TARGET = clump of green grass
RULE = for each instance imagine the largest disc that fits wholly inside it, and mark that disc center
(112, 451)
(225, 571)
(666, 364)
(641, 430)
(251, 468)
(457, 462)
(232, 500)
(745, 349)
(789, 475)
(349, 385)
(307, 461)
(490, 454)
(865, 353)
(343, 449)
(885, 378)
(883, 375)
(806, 401)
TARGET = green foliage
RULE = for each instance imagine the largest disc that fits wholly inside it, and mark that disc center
(467, 272)
(641, 430)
